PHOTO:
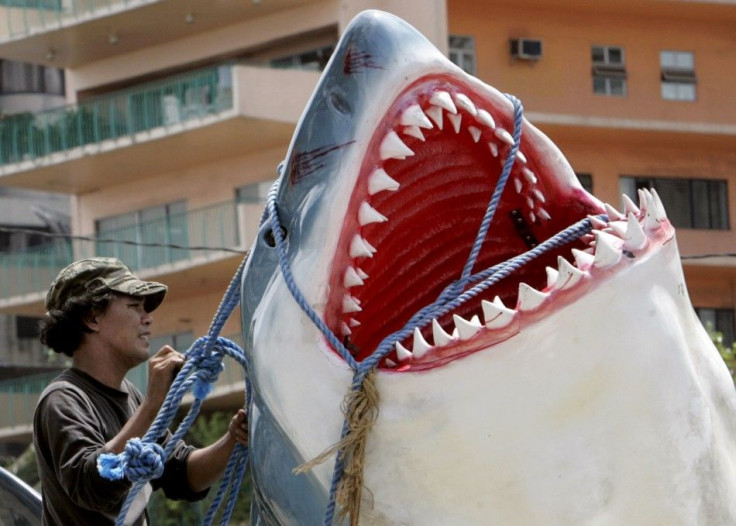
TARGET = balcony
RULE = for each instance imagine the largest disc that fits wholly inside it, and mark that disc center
(203, 115)
(19, 396)
(213, 239)
(68, 33)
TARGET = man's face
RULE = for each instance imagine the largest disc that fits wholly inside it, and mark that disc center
(124, 329)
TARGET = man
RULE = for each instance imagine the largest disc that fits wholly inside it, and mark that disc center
(99, 314)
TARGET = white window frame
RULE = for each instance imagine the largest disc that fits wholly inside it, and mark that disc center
(677, 73)
(464, 56)
(608, 73)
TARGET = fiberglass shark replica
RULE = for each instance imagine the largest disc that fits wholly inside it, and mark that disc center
(579, 389)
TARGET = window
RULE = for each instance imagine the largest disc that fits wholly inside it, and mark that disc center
(586, 180)
(462, 52)
(255, 193)
(27, 327)
(19, 77)
(719, 320)
(609, 71)
(138, 234)
(678, 75)
(690, 203)
(314, 60)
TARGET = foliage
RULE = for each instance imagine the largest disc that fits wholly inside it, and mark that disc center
(163, 512)
(728, 353)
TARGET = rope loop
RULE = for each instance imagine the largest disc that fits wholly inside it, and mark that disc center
(139, 461)
(208, 366)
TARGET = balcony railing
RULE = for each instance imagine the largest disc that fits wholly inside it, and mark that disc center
(176, 100)
(26, 17)
(194, 236)
(18, 397)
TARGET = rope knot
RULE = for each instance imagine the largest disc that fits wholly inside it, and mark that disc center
(208, 366)
(139, 461)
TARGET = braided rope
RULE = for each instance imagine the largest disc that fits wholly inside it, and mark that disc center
(143, 459)
(453, 296)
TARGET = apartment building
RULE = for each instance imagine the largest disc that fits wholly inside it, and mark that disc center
(178, 113)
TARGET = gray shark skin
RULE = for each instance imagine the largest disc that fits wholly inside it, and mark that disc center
(581, 389)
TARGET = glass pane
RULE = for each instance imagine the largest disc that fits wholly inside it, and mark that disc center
(669, 91)
(600, 85)
(718, 204)
(667, 59)
(598, 54)
(724, 325)
(627, 186)
(701, 204)
(707, 318)
(676, 197)
(615, 55)
(686, 92)
(618, 86)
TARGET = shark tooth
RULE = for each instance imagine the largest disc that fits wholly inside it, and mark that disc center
(529, 175)
(352, 322)
(529, 202)
(551, 276)
(539, 195)
(629, 206)
(402, 353)
(532, 217)
(414, 131)
(644, 199)
(543, 214)
(618, 228)
(351, 278)
(345, 330)
(518, 185)
(494, 148)
(568, 275)
(635, 238)
(360, 248)
(597, 222)
(660, 214)
(462, 101)
(455, 120)
(474, 133)
(504, 135)
(380, 181)
(583, 260)
(350, 304)
(607, 250)
(435, 113)
(421, 346)
(362, 274)
(390, 363)
(466, 329)
(485, 119)
(497, 315)
(530, 298)
(414, 116)
(367, 215)
(443, 100)
(441, 338)
(612, 213)
(392, 147)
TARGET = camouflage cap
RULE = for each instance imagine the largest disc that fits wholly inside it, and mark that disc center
(100, 275)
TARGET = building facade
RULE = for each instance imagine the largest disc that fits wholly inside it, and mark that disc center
(178, 113)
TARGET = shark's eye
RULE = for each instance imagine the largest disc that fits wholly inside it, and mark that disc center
(270, 239)
(339, 102)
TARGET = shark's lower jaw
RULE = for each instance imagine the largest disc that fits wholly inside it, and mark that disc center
(424, 186)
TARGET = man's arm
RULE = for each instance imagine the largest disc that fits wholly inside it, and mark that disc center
(162, 369)
(205, 466)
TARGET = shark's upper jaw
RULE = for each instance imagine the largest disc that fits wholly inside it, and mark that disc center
(423, 188)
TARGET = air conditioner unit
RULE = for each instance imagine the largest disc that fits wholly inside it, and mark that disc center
(526, 48)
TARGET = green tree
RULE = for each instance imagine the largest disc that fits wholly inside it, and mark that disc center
(728, 353)
(164, 512)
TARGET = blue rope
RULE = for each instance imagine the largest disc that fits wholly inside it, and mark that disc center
(143, 459)
(454, 294)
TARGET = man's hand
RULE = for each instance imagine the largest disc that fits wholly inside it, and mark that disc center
(162, 369)
(238, 428)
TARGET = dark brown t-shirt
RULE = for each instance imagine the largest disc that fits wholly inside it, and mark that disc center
(75, 417)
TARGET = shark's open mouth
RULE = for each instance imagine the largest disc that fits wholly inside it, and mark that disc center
(423, 189)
